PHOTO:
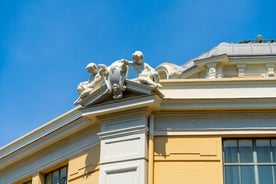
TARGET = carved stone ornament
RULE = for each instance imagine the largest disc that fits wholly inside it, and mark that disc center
(115, 80)
(115, 76)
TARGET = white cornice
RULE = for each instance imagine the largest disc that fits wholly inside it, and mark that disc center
(206, 122)
(101, 95)
(40, 132)
(219, 88)
(178, 82)
(151, 101)
(224, 132)
(218, 104)
(252, 59)
(218, 58)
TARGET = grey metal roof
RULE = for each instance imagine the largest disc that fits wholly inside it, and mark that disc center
(236, 49)
(244, 49)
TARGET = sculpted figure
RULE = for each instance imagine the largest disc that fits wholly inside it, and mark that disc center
(115, 80)
(145, 73)
(94, 82)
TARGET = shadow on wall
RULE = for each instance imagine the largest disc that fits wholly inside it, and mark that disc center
(85, 167)
(160, 144)
(92, 162)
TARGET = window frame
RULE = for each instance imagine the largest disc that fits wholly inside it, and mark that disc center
(255, 163)
(28, 182)
(59, 173)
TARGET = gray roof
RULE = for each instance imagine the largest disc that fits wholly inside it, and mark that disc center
(236, 49)
(244, 49)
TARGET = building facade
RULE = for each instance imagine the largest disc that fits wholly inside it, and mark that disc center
(211, 120)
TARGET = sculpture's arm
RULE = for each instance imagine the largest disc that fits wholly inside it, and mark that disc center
(103, 70)
(148, 67)
(126, 62)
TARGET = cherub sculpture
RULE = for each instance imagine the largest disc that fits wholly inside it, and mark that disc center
(115, 76)
(145, 73)
(94, 82)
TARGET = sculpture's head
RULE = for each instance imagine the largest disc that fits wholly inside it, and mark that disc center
(138, 57)
(92, 68)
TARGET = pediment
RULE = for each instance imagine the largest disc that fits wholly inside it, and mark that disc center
(133, 90)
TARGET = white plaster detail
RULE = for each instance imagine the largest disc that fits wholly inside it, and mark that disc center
(123, 148)
(270, 69)
(220, 88)
(215, 122)
(115, 80)
(130, 172)
(53, 154)
(19, 148)
(211, 71)
(169, 71)
(219, 72)
(241, 69)
(122, 123)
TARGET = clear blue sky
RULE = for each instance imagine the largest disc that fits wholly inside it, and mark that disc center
(46, 44)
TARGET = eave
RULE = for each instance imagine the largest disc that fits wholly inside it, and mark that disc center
(49, 133)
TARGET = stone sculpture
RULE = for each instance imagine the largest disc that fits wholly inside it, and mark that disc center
(115, 76)
(94, 82)
(115, 80)
(145, 73)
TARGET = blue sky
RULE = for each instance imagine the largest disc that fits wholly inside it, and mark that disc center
(46, 44)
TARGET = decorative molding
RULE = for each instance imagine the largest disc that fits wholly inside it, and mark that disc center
(212, 89)
(124, 143)
(219, 104)
(270, 69)
(49, 156)
(40, 132)
(130, 172)
(145, 101)
(117, 125)
(213, 59)
(241, 69)
(220, 73)
(124, 148)
(101, 95)
(123, 132)
(115, 77)
(215, 122)
(169, 71)
(219, 132)
(211, 72)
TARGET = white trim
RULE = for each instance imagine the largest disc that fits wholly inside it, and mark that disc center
(225, 132)
(40, 132)
(46, 158)
(218, 104)
(151, 101)
(43, 142)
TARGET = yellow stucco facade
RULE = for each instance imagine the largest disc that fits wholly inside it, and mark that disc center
(84, 168)
(188, 159)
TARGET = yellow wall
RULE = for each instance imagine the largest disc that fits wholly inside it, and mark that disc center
(189, 160)
(84, 168)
